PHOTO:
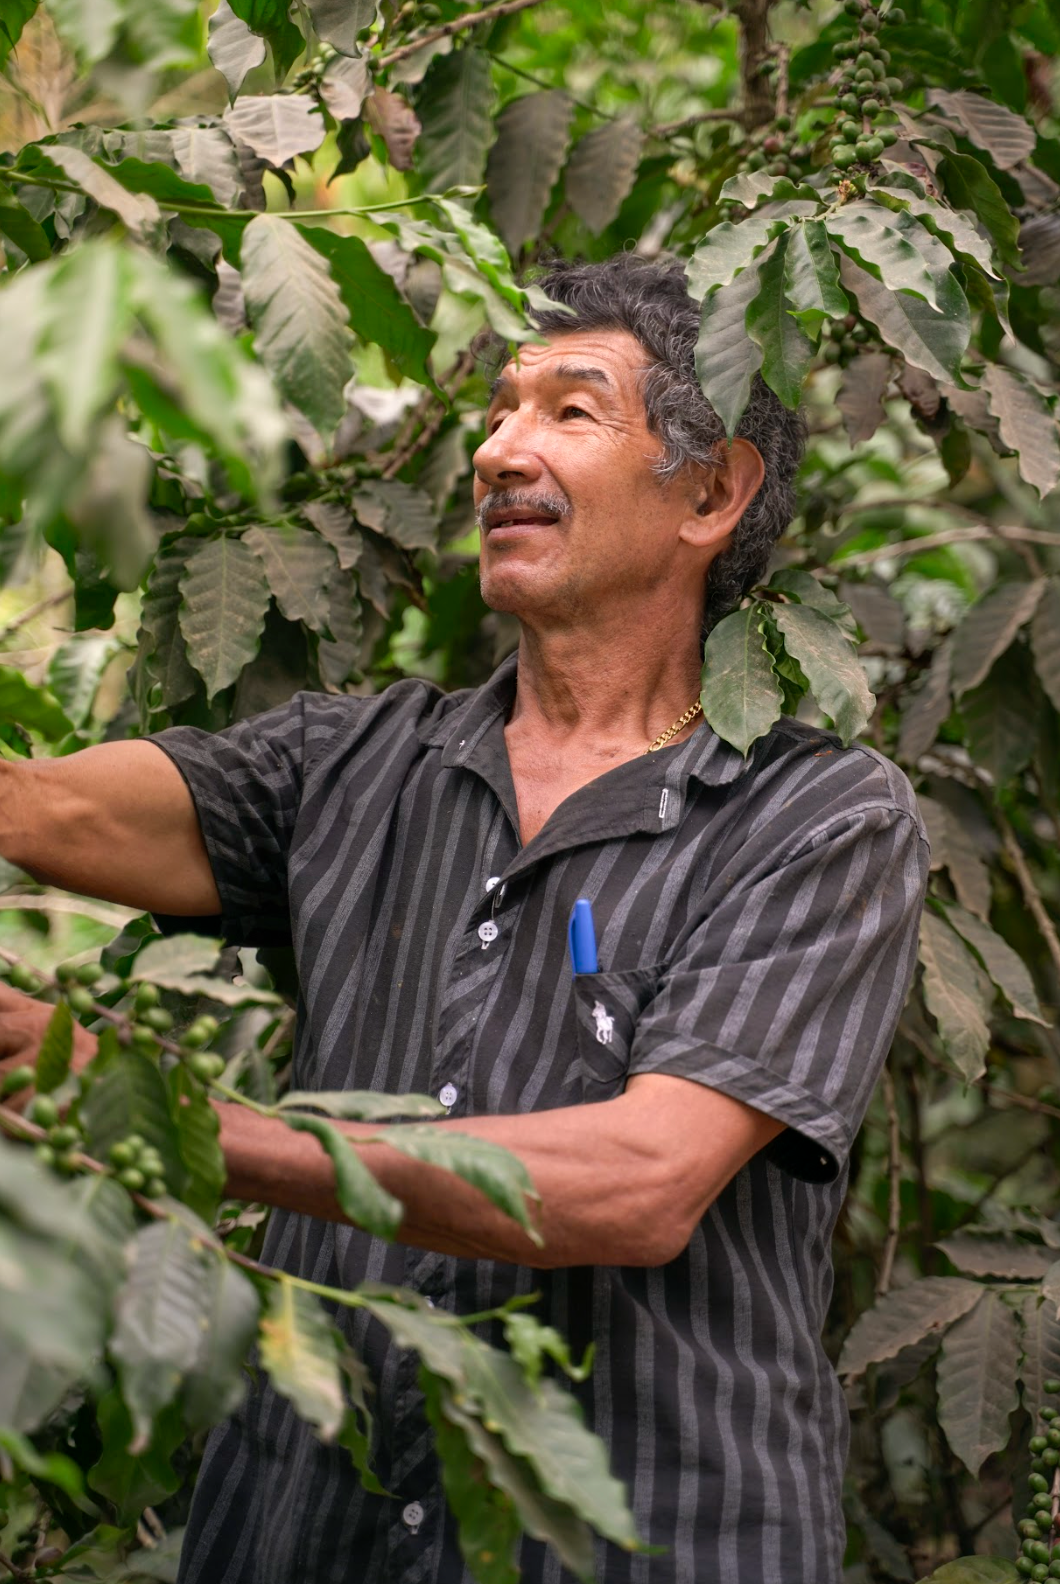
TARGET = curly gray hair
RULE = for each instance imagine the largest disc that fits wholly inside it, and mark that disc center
(651, 301)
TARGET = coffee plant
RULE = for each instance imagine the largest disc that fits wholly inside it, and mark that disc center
(247, 255)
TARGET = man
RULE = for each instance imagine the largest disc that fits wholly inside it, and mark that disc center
(686, 1111)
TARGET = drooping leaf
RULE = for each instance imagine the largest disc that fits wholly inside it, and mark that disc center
(831, 665)
(895, 248)
(601, 171)
(1027, 425)
(802, 586)
(1004, 135)
(75, 672)
(163, 657)
(532, 137)
(362, 1105)
(1039, 242)
(904, 1316)
(727, 250)
(138, 212)
(950, 225)
(233, 48)
(487, 1523)
(206, 157)
(740, 694)
(787, 352)
(340, 23)
(988, 628)
(811, 277)
(346, 83)
(198, 1140)
(297, 565)
(977, 1380)
(272, 20)
(925, 708)
(19, 226)
(134, 1482)
(1045, 641)
(127, 1094)
(495, 1172)
(56, 1049)
(31, 707)
(225, 597)
(276, 126)
(394, 119)
(726, 358)
(299, 1350)
(455, 106)
(159, 1316)
(336, 525)
(300, 327)
(861, 392)
(15, 15)
(215, 1383)
(362, 1198)
(174, 957)
(930, 340)
(1041, 1350)
(378, 313)
(996, 1256)
(968, 185)
(79, 350)
(338, 655)
(951, 992)
(1001, 719)
(1005, 967)
(398, 510)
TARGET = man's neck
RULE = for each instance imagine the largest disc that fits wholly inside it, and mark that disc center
(625, 692)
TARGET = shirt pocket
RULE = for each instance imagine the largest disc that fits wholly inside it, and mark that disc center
(607, 1006)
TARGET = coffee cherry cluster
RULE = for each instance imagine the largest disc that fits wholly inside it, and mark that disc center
(138, 1166)
(864, 90)
(843, 338)
(779, 152)
(64, 1142)
(1039, 1556)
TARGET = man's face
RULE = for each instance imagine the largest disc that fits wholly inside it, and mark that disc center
(570, 510)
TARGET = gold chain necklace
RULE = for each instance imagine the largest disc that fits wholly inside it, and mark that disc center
(679, 724)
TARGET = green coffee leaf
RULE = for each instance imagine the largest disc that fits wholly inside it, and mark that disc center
(1027, 425)
(1008, 970)
(532, 137)
(988, 628)
(398, 510)
(740, 694)
(272, 19)
(233, 48)
(276, 126)
(378, 313)
(222, 618)
(531, 1343)
(728, 249)
(996, 1256)
(750, 187)
(925, 708)
(362, 1105)
(494, 1171)
(455, 105)
(356, 1432)
(1045, 640)
(952, 995)
(162, 657)
(18, 225)
(364, 1200)
(726, 358)
(33, 708)
(977, 1380)
(340, 23)
(301, 331)
(159, 1317)
(79, 351)
(862, 388)
(1004, 135)
(968, 185)
(299, 1350)
(1001, 719)
(895, 248)
(830, 663)
(125, 1093)
(16, 14)
(787, 352)
(56, 1049)
(601, 171)
(75, 672)
(906, 1315)
(1041, 1350)
(215, 1383)
(487, 1519)
(197, 203)
(345, 85)
(138, 212)
(974, 1570)
(929, 340)
(133, 1483)
(298, 565)
(52, 1467)
(198, 1140)
(338, 655)
(949, 225)
(174, 957)
(811, 278)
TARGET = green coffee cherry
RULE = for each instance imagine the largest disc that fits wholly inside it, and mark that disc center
(1051, 1457)
(155, 1188)
(82, 1001)
(89, 973)
(43, 1111)
(1038, 1444)
(1051, 1386)
(151, 1164)
(45, 1154)
(1038, 1483)
(199, 1033)
(123, 1154)
(147, 995)
(63, 1137)
(24, 979)
(18, 1078)
(895, 15)
(68, 1162)
(136, 1142)
(132, 1179)
(157, 1018)
(850, 103)
(870, 107)
(1048, 1415)
(843, 156)
(206, 1066)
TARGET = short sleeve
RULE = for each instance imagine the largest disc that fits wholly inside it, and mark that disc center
(787, 992)
(246, 784)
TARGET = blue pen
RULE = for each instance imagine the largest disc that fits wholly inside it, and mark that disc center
(582, 937)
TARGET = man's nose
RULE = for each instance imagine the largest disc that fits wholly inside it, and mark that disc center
(507, 454)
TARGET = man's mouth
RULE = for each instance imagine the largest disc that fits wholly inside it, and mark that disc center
(507, 512)
(519, 520)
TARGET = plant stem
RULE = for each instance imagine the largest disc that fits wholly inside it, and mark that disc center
(1031, 895)
(468, 20)
(894, 1177)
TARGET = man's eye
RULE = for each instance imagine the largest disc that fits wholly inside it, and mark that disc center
(573, 412)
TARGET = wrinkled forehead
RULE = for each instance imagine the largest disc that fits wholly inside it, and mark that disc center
(611, 362)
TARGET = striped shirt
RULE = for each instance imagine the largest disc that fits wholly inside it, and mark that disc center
(756, 922)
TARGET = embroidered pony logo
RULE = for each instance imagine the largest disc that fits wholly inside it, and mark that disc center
(605, 1023)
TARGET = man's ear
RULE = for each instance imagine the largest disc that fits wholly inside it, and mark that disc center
(722, 493)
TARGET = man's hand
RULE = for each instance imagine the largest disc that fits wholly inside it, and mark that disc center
(22, 1025)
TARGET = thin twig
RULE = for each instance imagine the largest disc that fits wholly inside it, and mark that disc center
(1031, 895)
(948, 536)
(32, 612)
(468, 20)
(783, 58)
(667, 129)
(1024, 1102)
(894, 1177)
(413, 446)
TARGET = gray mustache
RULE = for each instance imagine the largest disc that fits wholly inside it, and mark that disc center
(542, 501)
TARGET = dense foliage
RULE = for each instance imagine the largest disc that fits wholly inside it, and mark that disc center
(245, 263)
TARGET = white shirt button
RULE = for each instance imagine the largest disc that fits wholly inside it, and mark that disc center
(487, 932)
(412, 1516)
(492, 881)
(448, 1095)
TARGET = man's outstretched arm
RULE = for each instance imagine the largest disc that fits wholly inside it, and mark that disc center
(115, 822)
